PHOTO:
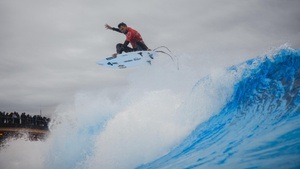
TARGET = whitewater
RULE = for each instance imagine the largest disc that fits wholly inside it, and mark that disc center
(243, 116)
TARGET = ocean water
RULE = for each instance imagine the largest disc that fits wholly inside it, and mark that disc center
(244, 116)
(259, 127)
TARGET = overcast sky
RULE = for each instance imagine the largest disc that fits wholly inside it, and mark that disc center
(49, 48)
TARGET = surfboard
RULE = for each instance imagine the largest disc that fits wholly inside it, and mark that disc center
(128, 60)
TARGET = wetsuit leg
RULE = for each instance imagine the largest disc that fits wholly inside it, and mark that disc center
(141, 46)
(121, 49)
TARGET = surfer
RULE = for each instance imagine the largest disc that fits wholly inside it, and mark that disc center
(132, 36)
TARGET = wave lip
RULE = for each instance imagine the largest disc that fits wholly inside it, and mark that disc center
(257, 128)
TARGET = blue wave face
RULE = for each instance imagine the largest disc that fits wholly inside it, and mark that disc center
(247, 116)
(258, 128)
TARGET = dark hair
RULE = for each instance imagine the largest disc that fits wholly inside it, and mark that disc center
(121, 24)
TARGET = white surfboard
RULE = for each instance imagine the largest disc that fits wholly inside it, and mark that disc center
(127, 60)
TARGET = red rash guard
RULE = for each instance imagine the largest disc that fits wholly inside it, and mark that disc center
(133, 36)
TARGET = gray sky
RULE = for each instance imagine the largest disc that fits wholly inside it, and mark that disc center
(49, 48)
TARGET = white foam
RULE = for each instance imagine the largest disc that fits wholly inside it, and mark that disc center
(131, 125)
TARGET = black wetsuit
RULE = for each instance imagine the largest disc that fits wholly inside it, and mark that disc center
(140, 45)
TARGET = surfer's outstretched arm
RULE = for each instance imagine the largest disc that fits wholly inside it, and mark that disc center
(112, 28)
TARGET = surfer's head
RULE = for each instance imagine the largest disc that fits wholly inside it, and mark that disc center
(123, 27)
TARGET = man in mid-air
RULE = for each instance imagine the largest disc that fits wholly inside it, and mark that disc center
(132, 36)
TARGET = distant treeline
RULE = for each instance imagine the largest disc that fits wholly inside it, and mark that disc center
(14, 119)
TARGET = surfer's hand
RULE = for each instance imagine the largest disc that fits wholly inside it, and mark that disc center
(107, 26)
(148, 49)
(114, 55)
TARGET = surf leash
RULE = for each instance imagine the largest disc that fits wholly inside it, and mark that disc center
(170, 54)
